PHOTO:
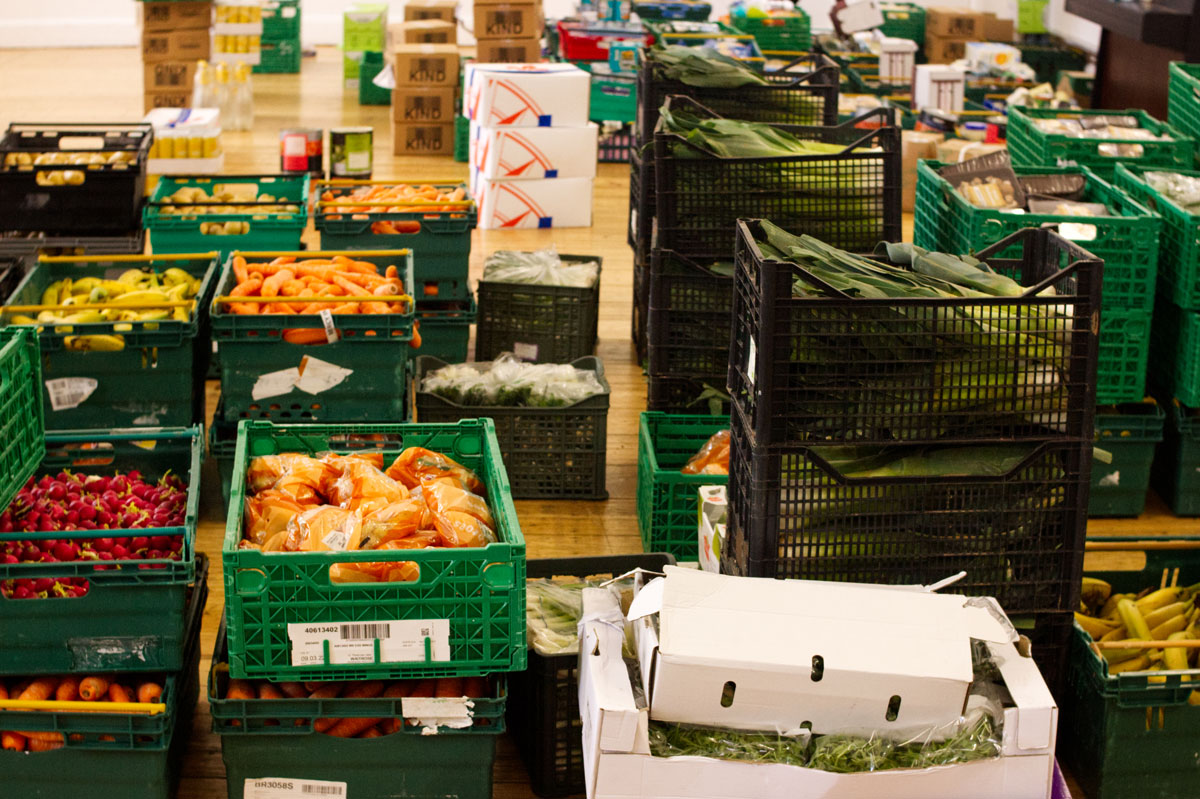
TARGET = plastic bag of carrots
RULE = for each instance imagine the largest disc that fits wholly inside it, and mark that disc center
(401, 198)
(348, 503)
(713, 457)
(105, 691)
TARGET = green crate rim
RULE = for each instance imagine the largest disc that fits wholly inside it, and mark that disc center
(444, 222)
(1130, 423)
(154, 220)
(1029, 145)
(25, 426)
(1179, 260)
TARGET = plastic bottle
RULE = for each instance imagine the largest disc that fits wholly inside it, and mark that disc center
(243, 98)
(222, 95)
(202, 86)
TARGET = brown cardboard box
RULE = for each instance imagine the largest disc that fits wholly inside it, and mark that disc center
(914, 145)
(952, 151)
(425, 64)
(953, 23)
(185, 45)
(435, 105)
(429, 31)
(175, 16)
(519, 20)
(944, 50)
(996, 29)
(515, 51)
(169, 76)
(417, 10)
(171, 99)
(422, 138)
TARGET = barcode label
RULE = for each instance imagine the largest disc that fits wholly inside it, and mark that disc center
(337, 541)
(357, 632)
(70, 392)
(355, 642)
(331, 334)
(289, 788)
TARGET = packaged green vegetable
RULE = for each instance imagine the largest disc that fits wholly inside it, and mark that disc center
(510, 382)
(539, 268)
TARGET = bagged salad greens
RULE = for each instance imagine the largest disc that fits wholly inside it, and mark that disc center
(539, 268)
(508, 381)
(1184, 190)
(553, 609)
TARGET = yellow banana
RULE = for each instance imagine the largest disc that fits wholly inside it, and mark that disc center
(50, 293)
(1166, 613)
(22, 319)
(176, 275)
(1097, 628)
(144, 297)
(1109, 610)
(1139, 663)
(1095, 592)
(1135, 625)
(1175, 624)
(1175, 657)
(178, 291)
(153, 314)
(1120, 655)
(114, 288)
(96, 343)
(1157, 599)
(1194, 698)
(98, 294)
(179, 314)
(132, 277)
(84, 285)
(1117, 634)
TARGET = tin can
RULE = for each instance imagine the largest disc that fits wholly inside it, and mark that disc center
(351, 152)
(300, 150)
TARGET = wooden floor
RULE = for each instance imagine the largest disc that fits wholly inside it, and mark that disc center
(105, 86)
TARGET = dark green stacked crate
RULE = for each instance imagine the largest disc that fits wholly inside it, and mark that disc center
(903, 21)
(280, 49)
(778, 31)
(1183, 99)
(1128, 433)
(1176, 470)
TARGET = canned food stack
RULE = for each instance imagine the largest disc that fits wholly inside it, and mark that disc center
(425, 99)
(532, 148)
(280, 43)
(101, 609)
(353, 692)
(175, 36)
(237, 32)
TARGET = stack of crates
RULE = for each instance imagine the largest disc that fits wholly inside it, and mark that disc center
(818, 485)
(776, 32)
(128, 622)
(805, 93)
(440, 242)
(422, 656)
(280, 44)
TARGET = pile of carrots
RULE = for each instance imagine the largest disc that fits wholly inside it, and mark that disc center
(71, 689)
(324, 280)
(403, 196)
(367, 727)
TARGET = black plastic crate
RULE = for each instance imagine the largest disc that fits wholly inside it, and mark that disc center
(804, 92)
(873, 370)
(849, 199)
(543, 706)
(1049, 637)
(549, 452)
(545, 324)
(33, 243)
(640, 233)
(692, 394)
(641, 309)
(689, 316)
(100, 199)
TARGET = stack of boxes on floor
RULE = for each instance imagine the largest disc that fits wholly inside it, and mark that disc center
(508, 31)
(280, 43)
(237, 33)
(425, 100)
(175, 35)
(532, 149)
(364, 30)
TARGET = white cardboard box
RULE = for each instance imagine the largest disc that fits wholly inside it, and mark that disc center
(713, 501)
(514, 204)
(939, 87)
(526, 95)
(531, 153)
(618, 763)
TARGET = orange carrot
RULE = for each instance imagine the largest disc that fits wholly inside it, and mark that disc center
(271, 286)
(267, 690)
(348, 728)
(324, 725)
(118, 693)
(449, 687)
(68, 690)
(366, 689)
(476, 687)
(3, 691)
(424, 688)
(293, 690)
(239, 269)
(149, 692)
(247, 288)
(284, 259)
(324, 690)
(240, 689)
(292, 288)
(40, 689)
(304, 335)
(45, 746)
(13, 741)
(415, 343)
(346, 307)
(373, 732)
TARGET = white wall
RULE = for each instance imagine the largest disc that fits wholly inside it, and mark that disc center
(49, 23)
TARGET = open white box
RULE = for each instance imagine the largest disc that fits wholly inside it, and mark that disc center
(617, 759)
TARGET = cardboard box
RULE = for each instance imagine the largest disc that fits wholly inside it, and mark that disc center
(996, 29)
(171, 99)
(952, 151)
(176, 16)
(509, 51)
(429, 31)
(617, 759)
(521, 20)
(514, 204)
(939, 87)
(914, 145)
(417, 10)
(422, 138)
(534, 153)
(425, 64)
(423, 105)
(943, 50)
(526, 95)
(169, 76)
(185, 45)
(953, 23)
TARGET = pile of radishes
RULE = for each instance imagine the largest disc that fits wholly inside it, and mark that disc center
(67, 502)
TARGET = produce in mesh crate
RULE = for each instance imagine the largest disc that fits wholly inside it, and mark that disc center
(512, 382)
(553, 609)
(1183, 189)
(68, 177)
(105, 691)
(73, 501)
(399, 199)
(703, 67)
(540, 268)
(1166, 614)
(713, 457)
(229, 198)
(349, 503)
(1116, 126)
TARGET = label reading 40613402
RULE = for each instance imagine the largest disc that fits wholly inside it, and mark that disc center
(288, 788)
(354, 642)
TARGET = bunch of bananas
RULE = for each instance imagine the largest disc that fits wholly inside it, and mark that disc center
(1165, 614)
(134, 287)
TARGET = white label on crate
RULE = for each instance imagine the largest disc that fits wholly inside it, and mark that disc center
(317, 375)
(526, 352)
(433, 712)
(69, 392)
(354, 642)
(331, 334)
(288, 788)
(1075, 231)
(1111, 479)
(752, 362)
(275, 384)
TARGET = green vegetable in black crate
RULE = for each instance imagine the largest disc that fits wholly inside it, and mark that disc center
(732, 138)
(703, 67)
(553, 609)
(511, 382)
(540, 268)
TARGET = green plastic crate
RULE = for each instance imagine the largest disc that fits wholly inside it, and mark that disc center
(1179, 248)
(368, 92)
(903, 21)
(613, 95)
(550, 453)
(153, 381)
(222, 446)
(1176, 472)
(130, 619)
(280, 20)
(667, 500)
(21, 423)
(446, 328)
(1183, 98)
(1030, 146)
(1121, 735)
(441, 248)
(374, 347)
(1176, 348)
(462, 139)
(1127, 241)
(1129, 434)
(544, 324)
(1047, 60)
(141, 756)
(672, 9)
(1122, 353)
(174, 233)
(780, 31)
(478, 591)
(279, 57)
